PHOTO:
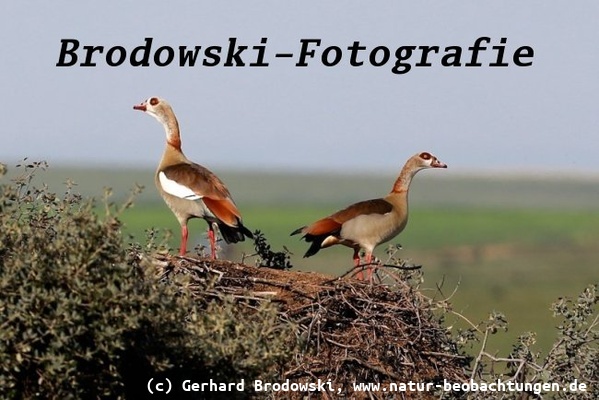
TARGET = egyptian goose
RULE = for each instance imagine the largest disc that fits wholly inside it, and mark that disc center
(190, 190)
(367, 224)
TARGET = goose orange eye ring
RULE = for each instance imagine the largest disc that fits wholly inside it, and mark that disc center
(153, 101)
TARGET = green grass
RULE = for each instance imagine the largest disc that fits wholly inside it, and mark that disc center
(452, 226)
(514, 261)
(427, 228)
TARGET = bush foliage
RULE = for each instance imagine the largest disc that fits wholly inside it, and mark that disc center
(573, 359)
(80, 320)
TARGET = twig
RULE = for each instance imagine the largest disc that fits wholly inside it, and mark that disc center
(340, 344)
(446, 355)
(375, 368)
(467, 320)
(480, 354)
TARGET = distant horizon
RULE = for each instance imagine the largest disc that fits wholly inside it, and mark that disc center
(525, 173)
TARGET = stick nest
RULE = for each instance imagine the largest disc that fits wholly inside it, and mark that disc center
(350, 331)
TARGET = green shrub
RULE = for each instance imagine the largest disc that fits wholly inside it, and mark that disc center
(573, 360)
(81, 320)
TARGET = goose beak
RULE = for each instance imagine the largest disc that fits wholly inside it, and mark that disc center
(140, 107)
(438, 164)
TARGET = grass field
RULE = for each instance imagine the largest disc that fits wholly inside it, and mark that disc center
(511, 244)
(514, 261)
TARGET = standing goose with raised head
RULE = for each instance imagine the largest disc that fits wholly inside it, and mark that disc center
(190, 190)
(367, 224)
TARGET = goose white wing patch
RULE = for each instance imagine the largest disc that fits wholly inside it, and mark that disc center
(176, 189)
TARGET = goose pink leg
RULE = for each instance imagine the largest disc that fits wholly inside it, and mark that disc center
(369, 267)
(184, 234)
(212, 240)
(359, 275)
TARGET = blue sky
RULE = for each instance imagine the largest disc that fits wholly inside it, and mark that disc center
(512, 119)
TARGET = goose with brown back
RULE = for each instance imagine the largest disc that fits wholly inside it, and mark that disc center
(189, 189)
(367, 224)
